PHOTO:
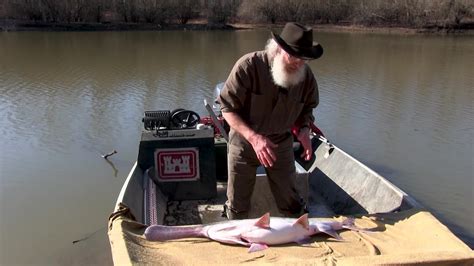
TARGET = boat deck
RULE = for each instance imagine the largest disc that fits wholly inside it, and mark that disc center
(209, 211)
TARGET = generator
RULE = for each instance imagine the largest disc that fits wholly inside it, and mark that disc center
(178, 154)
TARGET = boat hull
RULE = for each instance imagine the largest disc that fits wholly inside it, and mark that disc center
(334, 184)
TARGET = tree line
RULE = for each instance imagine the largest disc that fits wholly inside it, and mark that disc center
(404, 13)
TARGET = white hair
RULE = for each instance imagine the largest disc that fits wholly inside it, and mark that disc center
(280, 76)
(272, 48)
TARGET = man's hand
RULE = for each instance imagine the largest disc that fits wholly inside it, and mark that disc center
(303, 137)
(263, 147)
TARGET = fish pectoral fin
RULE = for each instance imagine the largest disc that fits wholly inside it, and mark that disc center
(257, 247)
(332, 233)
(264, 221)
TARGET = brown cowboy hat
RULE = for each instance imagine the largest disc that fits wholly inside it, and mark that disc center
(297, 40)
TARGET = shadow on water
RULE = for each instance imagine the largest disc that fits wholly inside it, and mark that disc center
(113, 167)
(89, 235)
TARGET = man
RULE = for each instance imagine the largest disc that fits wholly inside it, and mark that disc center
(267, 93)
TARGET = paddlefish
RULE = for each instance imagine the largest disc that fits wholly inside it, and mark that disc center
(257, 234)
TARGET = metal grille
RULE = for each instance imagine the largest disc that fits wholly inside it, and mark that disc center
(155, 119)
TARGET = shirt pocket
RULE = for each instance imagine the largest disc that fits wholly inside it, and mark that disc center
(260, 108)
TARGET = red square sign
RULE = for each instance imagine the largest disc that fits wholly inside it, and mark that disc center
(180, 164)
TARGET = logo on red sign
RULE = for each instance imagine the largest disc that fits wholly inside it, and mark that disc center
(181, 164)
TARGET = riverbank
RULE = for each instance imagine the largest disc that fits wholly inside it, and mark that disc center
(43, 26)
(9, 25)
(467, 29)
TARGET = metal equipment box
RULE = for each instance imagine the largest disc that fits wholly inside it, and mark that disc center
(180, 161)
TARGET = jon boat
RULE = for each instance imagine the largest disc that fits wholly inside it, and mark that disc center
(180, 179)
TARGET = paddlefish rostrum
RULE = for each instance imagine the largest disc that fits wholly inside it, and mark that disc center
(257, 234)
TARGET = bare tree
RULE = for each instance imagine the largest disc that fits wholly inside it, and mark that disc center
(149, 9)
(25, 9)
(409, 13)
(128, 10)
(75, 10)
(184, 10)
(220, 11)
(270, 10)
(456, 10)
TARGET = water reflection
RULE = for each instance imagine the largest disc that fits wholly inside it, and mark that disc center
(401, 104)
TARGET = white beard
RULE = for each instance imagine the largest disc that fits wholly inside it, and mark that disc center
(282, 77)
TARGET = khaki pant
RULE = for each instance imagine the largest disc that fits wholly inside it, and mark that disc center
(242, 166)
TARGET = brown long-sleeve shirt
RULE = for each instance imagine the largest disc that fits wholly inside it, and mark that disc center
(267, 108)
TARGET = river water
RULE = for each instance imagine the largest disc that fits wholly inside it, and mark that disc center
(401, 104)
